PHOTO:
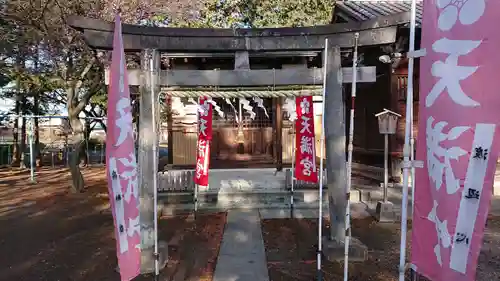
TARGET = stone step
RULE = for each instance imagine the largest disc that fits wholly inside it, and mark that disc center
(249, 179)
(275, 196)
(174, 209)
(276, 202)
(394, 194)
(359, 193)
(300, 210)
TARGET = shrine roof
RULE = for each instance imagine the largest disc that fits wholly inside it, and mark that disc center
(363, 10)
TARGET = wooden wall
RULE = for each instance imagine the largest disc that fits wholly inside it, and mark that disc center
(371, 99)
(399, 90)
(184, 135)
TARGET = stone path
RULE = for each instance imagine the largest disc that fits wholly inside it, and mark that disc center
(242, 255)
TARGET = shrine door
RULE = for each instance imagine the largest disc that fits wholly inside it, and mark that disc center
(240, 141)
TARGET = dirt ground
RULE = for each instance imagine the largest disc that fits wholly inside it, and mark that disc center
(291, 251)
(48, 233)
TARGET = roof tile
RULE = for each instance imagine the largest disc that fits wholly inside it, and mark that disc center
(361, 10)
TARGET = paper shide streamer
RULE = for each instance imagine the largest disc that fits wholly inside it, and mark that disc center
(191, 100)
(247, 107)
(216, 107)
(201, 109)
(228, 101)
(289, 106)
(260, 103)
(178, 107)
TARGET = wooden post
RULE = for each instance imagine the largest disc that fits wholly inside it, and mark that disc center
(147, 171)
(392, 81)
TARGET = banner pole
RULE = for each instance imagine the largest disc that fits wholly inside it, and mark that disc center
(155, 163)
(196, 186)
(31, 133)
(349, 159)
(293, 171)
(406, 151)
(321, 156)
(195, 199)
(412, 158)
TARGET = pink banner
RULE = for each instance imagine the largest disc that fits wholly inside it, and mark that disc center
(204, 138)
(459, 105)
(122, 165)
(305, 155)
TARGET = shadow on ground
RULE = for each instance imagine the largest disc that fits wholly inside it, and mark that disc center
(49, 233)
(291, 251)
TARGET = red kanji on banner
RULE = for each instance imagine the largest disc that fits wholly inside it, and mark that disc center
(204, 138)
(305, 155)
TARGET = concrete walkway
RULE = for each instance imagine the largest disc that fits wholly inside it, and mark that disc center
(242, 255)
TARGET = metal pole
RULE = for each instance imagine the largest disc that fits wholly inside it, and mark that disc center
(67, 152)
(293, 171)
(30, 140)
(406, 151)
(386, 167)
(196, 186)
(195, 199)
(349, 157)
(87, 145)
(412, 157)
(51, 145)
(155, 162)
(321, 156)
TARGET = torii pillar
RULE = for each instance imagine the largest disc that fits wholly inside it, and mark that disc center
(335, 142)
(147, 151)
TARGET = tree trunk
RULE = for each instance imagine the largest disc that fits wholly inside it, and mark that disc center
(76, 143)
(16, 158)
(84, 156)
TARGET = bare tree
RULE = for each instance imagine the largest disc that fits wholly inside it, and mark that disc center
(77, 70)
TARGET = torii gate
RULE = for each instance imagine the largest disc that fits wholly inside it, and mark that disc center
(240, 42)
